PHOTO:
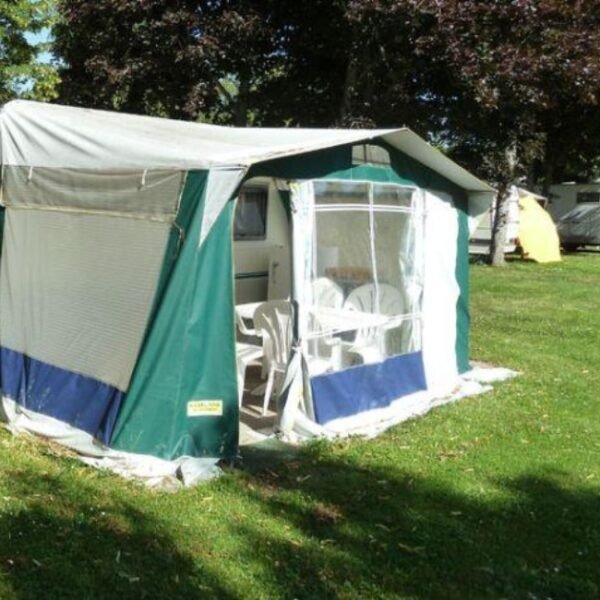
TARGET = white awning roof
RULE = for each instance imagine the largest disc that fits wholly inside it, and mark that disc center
(49, 135)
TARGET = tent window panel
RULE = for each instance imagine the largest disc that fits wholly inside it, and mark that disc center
(366, 271)
(396, 261)
(87, 296)
(341, 262)
(398, 286)
(392, 195)
(343, 248)
(250, 220)
(150, 194)
(341, 192)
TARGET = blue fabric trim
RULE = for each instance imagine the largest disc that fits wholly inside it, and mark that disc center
(366, 387)
(75, 399)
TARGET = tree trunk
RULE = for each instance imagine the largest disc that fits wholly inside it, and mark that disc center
(348, 91)
(530, 181)
(548, 176)
(499, 228)
(241, 105)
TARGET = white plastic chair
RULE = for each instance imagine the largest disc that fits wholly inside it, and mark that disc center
(246, 354)
(327, 293)
(273, 320)
(244, 329)
(369, 342)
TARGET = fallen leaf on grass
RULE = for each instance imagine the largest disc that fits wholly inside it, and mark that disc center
(446, 455)
(130, 578)
(485, 570)
(327, 514)
(411, 549)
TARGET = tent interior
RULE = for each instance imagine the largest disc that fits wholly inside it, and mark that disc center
(262, 271)
(364, 283)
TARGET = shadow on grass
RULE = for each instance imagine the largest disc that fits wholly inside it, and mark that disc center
(380, 533)
(319, 527)
(583, 250)
(66, 542)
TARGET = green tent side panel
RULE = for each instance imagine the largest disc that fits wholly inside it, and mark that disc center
(188, 205)
(183, 396)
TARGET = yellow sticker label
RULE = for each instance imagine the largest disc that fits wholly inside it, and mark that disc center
(205, 408)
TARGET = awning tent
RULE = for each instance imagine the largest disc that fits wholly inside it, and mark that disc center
(117, 333)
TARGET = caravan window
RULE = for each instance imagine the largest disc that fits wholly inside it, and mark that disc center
(250, 222)
(588, 197)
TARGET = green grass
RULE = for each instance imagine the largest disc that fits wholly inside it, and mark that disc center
(497, 496)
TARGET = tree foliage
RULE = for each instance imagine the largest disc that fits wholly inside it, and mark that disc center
(21, 74)
(180, 59)
(524, 88)
(526, 73)
(509, 87)
(480, 76)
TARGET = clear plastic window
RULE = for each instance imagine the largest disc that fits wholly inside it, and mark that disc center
(366, 275)
(341, 192)
(392, 195)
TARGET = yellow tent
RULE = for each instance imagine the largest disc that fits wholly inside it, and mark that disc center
(537, 233)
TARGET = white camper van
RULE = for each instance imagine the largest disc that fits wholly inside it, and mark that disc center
(576, 209)
(564, 197)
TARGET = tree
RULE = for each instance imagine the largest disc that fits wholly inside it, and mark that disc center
(524, 79)
(179, 59)
(352, 63)
(21, 74)
(228, 61)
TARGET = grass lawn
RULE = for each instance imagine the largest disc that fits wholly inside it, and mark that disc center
(497, 496)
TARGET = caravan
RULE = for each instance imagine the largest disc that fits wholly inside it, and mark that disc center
(576, 209)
